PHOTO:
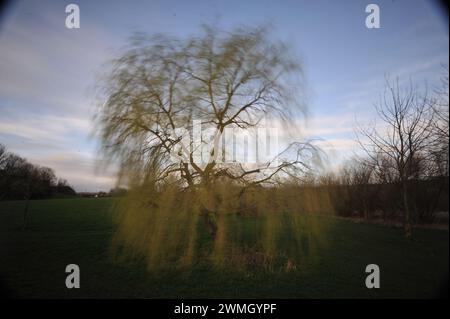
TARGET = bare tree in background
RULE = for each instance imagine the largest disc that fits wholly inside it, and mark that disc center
(404, 137)
(440, 127)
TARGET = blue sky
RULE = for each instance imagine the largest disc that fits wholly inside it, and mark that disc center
(47, 72)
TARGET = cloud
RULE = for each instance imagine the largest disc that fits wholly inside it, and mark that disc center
(45, 73)
(54, 141)
(330, 126)
(45, 67)
(55, 129)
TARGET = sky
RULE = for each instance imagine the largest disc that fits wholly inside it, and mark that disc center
(48, 72)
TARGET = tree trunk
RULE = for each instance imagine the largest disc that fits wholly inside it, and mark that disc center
(209, 222)
(407, 229)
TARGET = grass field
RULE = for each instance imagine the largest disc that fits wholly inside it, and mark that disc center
(60, 232)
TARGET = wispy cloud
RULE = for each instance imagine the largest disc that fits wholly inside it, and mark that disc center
(47, 128)
(44, 106)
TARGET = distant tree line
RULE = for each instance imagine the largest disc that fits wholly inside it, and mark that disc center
(113, 192)
(359, 190)
(22, 180)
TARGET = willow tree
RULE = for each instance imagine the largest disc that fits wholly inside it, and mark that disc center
(159, 85)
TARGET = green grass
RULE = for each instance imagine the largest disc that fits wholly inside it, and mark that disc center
(60, 232)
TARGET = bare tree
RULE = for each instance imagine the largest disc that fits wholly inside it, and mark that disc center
(403, 138)
(3, 160)
(3, 155)
(440, 127)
